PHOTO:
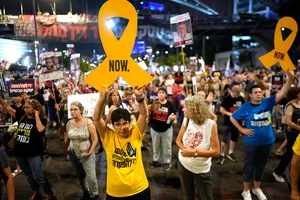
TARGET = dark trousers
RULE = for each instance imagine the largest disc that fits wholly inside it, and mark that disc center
(144, 195)
(287, 157)
(189, 180)
(256, 158)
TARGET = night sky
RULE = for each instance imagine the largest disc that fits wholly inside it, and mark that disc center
(62, 6)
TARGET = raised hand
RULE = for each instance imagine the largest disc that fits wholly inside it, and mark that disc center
(138, 92)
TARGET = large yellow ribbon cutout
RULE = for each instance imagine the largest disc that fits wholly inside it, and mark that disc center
(118, 61)
(280, 51)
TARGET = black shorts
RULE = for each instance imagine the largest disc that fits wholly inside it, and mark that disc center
(234, 134)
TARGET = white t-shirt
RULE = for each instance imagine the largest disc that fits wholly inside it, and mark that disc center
(197, 137)
(169, 83)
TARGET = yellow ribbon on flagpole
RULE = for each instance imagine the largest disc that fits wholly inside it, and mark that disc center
(281, 48)
(118, 61)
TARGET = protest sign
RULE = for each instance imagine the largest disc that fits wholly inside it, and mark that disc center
(281, 47)
(55, 75)
(118, 61)
(18, 87)
(217, 74)
(277, 82)
(181, 28)
(87, 100)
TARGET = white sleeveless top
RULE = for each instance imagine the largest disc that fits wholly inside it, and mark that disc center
(197, 137)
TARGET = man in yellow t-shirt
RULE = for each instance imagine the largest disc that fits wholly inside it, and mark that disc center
(126, 177)
(295, 170)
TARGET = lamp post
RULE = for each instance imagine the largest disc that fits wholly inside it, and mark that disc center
(36, 42)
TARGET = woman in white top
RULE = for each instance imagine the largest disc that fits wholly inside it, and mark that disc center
(198, 142)
(83, 139)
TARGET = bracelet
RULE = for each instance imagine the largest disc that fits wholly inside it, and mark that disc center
(140, 100)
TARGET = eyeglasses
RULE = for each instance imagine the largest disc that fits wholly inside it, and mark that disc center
(75, 109)
(119, 125)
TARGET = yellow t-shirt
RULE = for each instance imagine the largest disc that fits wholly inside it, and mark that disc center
(296, 146)
(125, 170)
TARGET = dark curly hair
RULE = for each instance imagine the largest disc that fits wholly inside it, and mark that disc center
(293, 93)
(120, 113)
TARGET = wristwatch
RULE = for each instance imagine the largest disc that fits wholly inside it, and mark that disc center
(196, 153)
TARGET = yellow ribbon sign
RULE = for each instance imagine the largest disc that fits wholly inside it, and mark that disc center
(118, 61)
(280, 51)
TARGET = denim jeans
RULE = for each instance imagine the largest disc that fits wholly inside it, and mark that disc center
(85, 170)
(256, 158)
(162, 145)
(189, 180)
(33, 171)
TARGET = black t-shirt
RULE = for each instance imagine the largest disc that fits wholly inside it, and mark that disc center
(29, 142)
(39, 98)
(19, 112)
(159, 117)
(231, 105)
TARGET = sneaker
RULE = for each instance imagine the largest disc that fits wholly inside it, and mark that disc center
(153, 164)
(220, 160)
(278, 131)
(279, 153)
(246, 195)
(278, 177)
(258, 192)
(231, 157)
(46, 154)
(167, 166)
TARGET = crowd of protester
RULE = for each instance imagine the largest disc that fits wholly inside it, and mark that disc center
(247, 100)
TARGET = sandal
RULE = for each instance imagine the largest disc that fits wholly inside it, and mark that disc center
(16, 173)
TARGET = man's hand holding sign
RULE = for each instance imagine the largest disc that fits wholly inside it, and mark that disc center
(280, 51)
(118, 61)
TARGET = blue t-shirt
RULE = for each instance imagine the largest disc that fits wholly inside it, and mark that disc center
(258, 118)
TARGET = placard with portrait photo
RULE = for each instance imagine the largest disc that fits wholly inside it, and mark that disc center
(181, 28)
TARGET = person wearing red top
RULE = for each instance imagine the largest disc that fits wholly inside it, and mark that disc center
(176, 91)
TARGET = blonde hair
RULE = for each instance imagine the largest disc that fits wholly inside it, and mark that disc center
(198, 109)
(127, 92)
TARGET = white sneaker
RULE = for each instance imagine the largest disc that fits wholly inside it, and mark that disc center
(246, 195)
(258, 192)
(278, 178)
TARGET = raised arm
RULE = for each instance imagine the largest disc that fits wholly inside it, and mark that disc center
(286, 87)
(8, 108)
(98, 113)
(142, 120)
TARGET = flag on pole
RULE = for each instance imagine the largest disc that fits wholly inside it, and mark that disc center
(214, 66)
(228, 71)
(201, 61)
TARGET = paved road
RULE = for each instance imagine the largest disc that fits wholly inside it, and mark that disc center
(227, 178)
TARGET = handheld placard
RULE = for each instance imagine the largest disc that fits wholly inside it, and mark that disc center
(280, 51)
(118, 61)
